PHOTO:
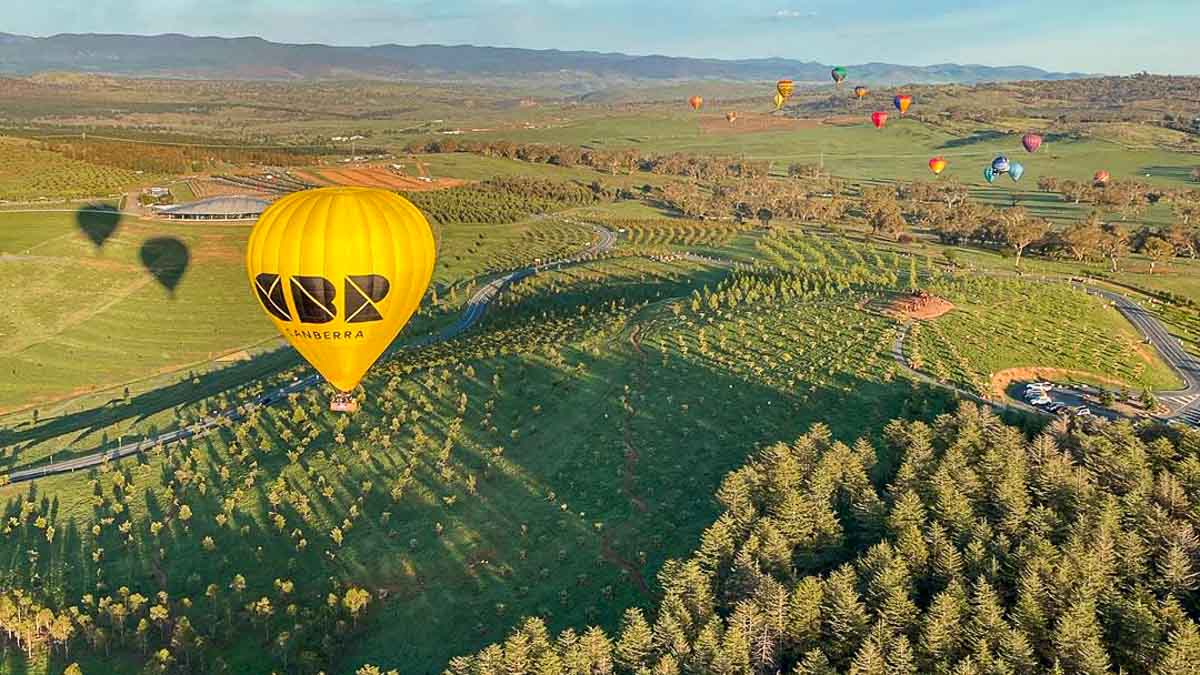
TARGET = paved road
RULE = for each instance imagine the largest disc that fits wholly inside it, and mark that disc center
(1184, 403)
(476, 308)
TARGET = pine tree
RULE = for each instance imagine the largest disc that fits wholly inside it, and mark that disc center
(942, 637)
(1182, 655)
(1079, 640)
(844, 617)
(635, 643)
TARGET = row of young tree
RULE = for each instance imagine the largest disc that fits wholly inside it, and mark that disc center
(500, 200)
(176, 158)
(627, 160)
(961, 547)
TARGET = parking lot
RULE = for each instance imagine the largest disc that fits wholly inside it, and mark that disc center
(1060, 399)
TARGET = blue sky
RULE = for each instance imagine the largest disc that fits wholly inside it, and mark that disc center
(1114, 36)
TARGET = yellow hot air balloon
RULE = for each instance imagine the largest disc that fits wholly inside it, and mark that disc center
(339, 271)
(779, 100)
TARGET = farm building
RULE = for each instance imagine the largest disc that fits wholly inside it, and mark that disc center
(225, 207)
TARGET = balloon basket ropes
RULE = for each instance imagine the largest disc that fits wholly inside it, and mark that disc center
(342, 402)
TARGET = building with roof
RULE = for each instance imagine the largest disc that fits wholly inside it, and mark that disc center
(225, 207)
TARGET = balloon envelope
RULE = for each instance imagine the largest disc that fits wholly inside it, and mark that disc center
(861, 91)
(780, 99)
(989, 174)
(785, 88)
(1031, 142)
(937, 165)
(1015, 171)
(731, 117)
(1000, 164)
(838, 74)
(1101, 177)
(879, 118)
(340, 271)
(902, 102)
(695, 102)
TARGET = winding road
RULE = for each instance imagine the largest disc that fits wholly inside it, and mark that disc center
(475, 309)
(1184, 404)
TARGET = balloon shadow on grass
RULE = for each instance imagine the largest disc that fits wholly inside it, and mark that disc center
(166, 258)
(98, 222)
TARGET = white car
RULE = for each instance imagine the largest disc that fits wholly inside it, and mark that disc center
(1041, 400)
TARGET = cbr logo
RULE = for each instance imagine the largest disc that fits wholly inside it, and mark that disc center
(313, 297)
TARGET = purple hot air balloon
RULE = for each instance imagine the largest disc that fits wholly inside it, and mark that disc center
(1000, 164)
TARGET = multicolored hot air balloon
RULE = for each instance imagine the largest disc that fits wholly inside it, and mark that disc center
(937, 165)
(989, 174)
(1031, 142)
(780, 99)
(902, 102)
(1015, 171)
(731, 117)
(861, 91)
(879, 118)
(340, 271)
(785, 88)
(1101, 177)
(839, 75)
(1000, 164)
(695, 102)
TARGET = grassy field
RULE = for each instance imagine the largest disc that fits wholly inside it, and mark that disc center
(1000, 323)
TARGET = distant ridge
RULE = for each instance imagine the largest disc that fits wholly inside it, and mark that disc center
(175, 55)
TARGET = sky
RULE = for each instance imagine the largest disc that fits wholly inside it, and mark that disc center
(1098, 36)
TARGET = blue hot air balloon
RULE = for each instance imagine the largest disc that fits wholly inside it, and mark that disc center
(989, 174)
(1015, 171)
(1000, 164)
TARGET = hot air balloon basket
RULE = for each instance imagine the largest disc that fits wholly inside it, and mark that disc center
(342, 402)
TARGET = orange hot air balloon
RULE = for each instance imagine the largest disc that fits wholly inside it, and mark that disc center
(937, 165)
(695, 102)
(1101, 177)
(731, 117)
(785, 88)
(902, 102)
(861, 91)
(879, 118)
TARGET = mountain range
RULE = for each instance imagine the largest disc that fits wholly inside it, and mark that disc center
(175, 55)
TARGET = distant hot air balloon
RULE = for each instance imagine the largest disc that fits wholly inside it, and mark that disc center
(695, 102)
(780, 99)
(1101, 177)
(861, 91)
(902, 102)
(989, 174)
(1000, 164)
(1031, 142)
(340, 271)
(731, 117)
(937, 165)
(879, 118)
(1015, 171)
(785, 88)
(839, 75)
